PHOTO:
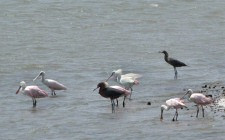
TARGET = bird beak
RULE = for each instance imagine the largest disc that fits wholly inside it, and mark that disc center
(95, 88)
(160, 52)
(18, 90)
(109, 77)
(184, 95)
(36, 77)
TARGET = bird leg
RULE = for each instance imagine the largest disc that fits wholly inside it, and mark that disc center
(175, 115)
(53, 92)
(124, 101)
(130, 93)
(34, 102)
(197, 111)
(113, 104)
(175, 71)
(202, 112)
(117, 102)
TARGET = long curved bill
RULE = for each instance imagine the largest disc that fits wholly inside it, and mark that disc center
(109, 77)
(95, 88)
(18, 90)
(183, 96)
(36, 77)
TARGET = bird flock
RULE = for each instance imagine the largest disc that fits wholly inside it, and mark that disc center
(125, 89)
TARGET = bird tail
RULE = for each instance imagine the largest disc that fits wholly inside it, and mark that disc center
(136, 82)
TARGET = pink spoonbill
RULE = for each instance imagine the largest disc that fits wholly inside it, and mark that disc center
(175, 103)
(112, 92)
(199, 99)
(32, 91)
(126, 80)
(52, 84)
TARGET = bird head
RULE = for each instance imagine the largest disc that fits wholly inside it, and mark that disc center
(165, 52)
(115, 74)
(189, 92)
(40, 74)
(22, 85)
(163, 107)
(101, 85)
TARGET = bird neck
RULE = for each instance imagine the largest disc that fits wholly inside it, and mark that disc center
(118, 78)
(164, 107)
(166, 57)
(43, 78)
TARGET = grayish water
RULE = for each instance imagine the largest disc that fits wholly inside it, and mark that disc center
(79, 43)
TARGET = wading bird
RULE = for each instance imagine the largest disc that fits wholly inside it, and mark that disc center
(199, 99)
(52, 84)
(175, 63)
(126, 80)
(175, 103)
(112, 92)
(31, 91)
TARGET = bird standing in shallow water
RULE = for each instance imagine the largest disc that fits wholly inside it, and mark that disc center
(175, 63)
(175, 103)
(32, 91)
(112, 92)
(127, 80)
(199, 99)
(52, 84)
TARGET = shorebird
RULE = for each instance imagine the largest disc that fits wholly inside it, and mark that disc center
(52, 84)
(127, 80)
(112, 92)
(31, 91)
(199, 99)
(174, 62)
(175, 103)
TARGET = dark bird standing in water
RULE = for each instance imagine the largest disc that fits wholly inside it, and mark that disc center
(175, 63)
(112, 92)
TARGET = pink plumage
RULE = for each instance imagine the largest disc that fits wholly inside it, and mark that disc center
(32, 91)
(52, 84)
(199, 99)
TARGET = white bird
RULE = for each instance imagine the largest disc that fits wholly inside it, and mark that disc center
(199, 99)
(126, 80)
(175, 103)
(52, 84)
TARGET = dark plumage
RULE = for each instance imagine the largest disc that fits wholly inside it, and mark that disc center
(175, 63)
(112, 92)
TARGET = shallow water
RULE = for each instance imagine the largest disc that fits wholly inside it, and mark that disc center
(79, 43)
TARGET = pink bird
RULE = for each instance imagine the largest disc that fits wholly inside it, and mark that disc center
(32, 91)
(199, 99)
(52, 84)
(175, 103)
(112, 92)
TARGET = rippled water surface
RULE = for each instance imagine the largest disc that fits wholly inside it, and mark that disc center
(79, 43)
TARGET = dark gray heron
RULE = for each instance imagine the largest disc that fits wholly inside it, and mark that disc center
(175, 63)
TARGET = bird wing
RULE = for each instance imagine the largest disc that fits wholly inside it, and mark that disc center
(201, 99)
(121, 89)
(132, 75)
(35, 92)
(54, 84)
(175, 103)
(175, 62)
